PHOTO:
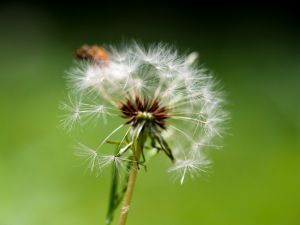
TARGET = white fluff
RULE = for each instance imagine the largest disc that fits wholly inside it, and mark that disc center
(187, 89)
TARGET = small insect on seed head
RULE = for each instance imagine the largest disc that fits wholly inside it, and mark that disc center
(92, 53)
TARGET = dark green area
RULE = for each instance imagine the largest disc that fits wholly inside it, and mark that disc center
(255, 179)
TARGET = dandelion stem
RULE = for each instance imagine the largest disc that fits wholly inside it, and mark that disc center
(138, 148)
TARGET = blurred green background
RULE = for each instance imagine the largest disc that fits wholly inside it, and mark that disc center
(255, 179)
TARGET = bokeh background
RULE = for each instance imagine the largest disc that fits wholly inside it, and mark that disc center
(255, 52)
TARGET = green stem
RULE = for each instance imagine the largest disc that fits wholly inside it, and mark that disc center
(138, 148)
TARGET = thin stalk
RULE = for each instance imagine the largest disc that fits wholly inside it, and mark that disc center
(113, 194)
(138, 148)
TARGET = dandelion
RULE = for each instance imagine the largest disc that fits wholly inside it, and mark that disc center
(170, 106)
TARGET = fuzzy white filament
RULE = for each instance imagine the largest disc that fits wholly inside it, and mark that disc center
(186, 89)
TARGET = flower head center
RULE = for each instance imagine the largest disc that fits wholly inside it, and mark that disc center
(145, 116)
(138, 109)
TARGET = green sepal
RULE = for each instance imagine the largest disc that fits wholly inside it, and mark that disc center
(162, 142)
(113, 194)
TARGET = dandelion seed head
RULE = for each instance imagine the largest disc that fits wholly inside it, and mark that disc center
(158, 86)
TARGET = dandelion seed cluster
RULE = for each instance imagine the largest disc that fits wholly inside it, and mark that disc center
(155, 87)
